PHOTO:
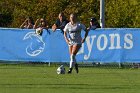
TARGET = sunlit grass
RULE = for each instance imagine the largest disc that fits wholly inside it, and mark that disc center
(44, 79)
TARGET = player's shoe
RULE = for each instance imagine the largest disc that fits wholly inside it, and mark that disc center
(76, 68)
(70, 71)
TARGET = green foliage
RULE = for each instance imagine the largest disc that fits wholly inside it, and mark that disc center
(118, 13)
(122, 13)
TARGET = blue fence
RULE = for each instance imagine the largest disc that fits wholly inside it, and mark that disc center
(102, 45)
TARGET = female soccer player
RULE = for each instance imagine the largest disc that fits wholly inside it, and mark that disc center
(74, 39)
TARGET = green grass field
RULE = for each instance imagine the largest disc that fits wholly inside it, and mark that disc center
(43, 79)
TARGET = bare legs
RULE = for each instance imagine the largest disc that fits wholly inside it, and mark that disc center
(73, 51)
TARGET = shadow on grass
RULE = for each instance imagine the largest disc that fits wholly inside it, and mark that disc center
(69, 86)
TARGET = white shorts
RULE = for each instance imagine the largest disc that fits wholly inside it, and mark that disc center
(74, 42)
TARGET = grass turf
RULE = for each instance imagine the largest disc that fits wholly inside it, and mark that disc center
(43, 79)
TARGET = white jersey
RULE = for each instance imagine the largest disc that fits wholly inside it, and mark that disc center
(74, 32)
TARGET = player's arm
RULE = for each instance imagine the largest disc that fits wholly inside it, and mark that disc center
(65, 33)
(66, 38)
(86, 34)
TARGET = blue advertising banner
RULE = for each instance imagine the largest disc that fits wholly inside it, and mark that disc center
(101, 45)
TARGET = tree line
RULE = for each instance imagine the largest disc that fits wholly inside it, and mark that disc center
(118, 13)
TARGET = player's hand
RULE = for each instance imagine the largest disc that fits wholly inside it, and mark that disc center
(68, 42)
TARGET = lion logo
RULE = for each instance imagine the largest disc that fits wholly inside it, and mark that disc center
(36, 45)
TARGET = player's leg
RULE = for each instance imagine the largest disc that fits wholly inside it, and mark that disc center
(75, 49)
(71, 62)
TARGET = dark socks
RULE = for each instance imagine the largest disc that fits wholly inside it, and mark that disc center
(76, 68)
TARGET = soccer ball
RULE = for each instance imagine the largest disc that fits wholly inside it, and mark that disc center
(61, 70)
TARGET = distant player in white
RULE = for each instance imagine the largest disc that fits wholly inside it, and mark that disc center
(74, 39)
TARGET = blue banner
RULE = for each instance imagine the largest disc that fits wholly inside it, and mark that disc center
(101, 45)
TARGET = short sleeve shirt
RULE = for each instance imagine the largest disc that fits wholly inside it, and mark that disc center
(74, 31)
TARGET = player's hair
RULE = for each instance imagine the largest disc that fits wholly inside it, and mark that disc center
(73, 15)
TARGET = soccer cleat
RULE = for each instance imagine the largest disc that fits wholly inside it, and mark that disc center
(76, 68)
(70, 71)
